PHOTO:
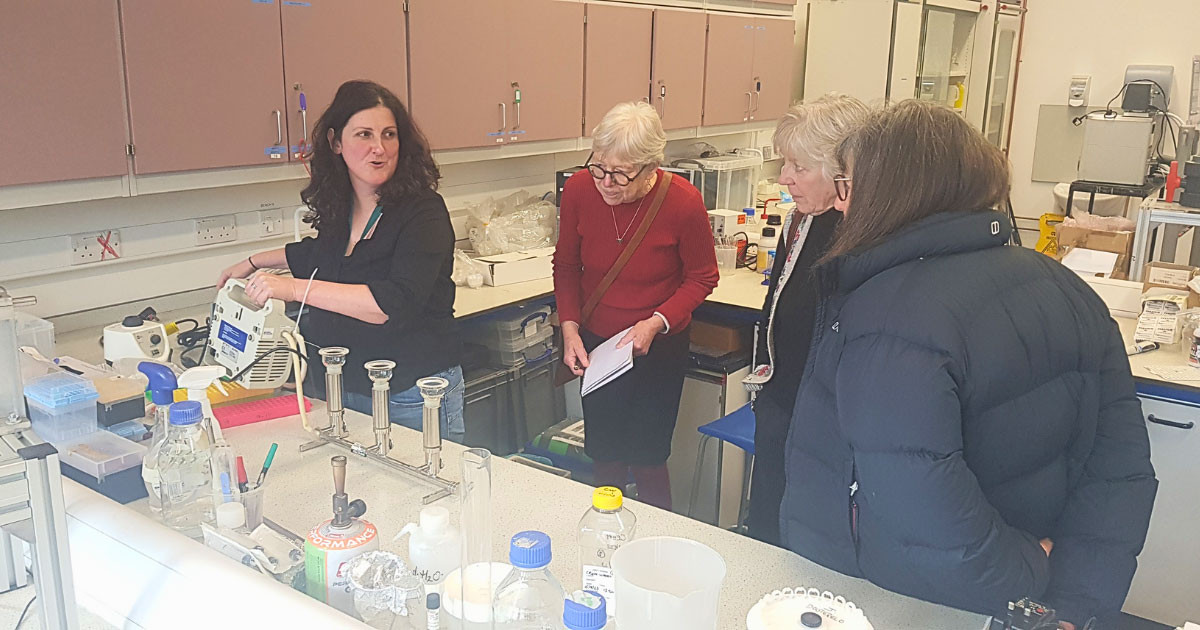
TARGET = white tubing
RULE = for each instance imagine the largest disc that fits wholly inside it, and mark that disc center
(295, 341)
(135, 573)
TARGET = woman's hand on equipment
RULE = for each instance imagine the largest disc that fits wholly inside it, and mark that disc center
(237, 270)
(642, 335)
(264, 286)
(575, 355)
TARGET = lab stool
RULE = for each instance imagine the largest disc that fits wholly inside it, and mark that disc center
(737, 428)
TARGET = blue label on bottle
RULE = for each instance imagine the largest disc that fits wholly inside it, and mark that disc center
(232, 336)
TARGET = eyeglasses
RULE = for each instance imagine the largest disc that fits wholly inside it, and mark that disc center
(618, 178)
(841, 186)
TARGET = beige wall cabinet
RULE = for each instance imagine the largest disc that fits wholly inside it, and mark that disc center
(748, 68)
(677, 83)
(63, 115)
(316, 69)
(205, 84)
(511, 72)
(774, 43)
(618, 58)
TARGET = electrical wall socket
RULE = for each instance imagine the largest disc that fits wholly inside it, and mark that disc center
(270, 222)
(93, 247)
(768, 152)
(210, 230)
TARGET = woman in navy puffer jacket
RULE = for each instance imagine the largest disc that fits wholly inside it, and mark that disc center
(967, 430)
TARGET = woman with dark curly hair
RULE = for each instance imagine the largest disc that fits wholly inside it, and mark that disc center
(380, 263)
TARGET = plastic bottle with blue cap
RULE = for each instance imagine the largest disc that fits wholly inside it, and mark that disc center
(161, 387)
(585, 610)
(185, 469)
(530, 597)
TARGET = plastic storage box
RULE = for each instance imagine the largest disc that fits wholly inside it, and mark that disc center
(39, 334)
(62, 407)
(525, 335)
(106, 463)
(524, 350)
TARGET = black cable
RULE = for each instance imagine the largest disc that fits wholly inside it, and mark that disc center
(25, 612)
(266, 354)
(1078, 120)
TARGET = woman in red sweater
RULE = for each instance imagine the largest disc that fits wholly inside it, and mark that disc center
(629, 422)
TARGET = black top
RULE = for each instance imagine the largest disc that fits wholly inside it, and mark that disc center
(795, 310)
(406, 264)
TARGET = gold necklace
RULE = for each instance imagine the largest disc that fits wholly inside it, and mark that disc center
(621, 236)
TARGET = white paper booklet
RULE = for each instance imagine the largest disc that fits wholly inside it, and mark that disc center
(606, 363)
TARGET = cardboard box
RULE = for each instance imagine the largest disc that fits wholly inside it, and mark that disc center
(1171, 276)
(1120, 243)
(502, 269)
(719, 337)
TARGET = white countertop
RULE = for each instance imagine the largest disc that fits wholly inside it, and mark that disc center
(1166, 355)
(300, 485)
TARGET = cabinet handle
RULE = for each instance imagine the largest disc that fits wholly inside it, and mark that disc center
(503, 116)
(278, 127)
(754, 107)
(662, 100)
(749, 99)
(517, 103)
(1171, 423)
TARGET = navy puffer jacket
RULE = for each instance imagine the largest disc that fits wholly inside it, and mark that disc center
(962, 400)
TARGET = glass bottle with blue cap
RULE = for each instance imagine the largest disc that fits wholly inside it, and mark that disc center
(530, 598)
(185, 467)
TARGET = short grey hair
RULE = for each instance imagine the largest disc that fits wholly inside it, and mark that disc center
(631, 131)
(810, 132)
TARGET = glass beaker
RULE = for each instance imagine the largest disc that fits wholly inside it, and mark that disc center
(12, 395)
(475, 582)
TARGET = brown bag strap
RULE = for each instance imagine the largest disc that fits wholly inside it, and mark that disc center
(594, 299)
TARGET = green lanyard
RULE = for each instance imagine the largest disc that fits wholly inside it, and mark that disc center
(375, 214)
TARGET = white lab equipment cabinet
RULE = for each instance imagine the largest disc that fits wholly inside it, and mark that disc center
(960, 53)
(1164, 587)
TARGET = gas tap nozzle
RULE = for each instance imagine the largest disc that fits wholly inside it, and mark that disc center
(344, 510)
(432, 391)
(380, 373)
(334, 358)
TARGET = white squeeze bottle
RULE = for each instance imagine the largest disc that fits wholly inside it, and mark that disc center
(605, 527)
(433, 546)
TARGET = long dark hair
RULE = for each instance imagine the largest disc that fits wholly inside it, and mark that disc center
(329, 193)
(911, 161)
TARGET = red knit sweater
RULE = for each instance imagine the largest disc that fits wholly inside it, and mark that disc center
(673, 270)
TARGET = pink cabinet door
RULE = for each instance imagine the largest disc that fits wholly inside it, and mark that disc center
(618, 59)
(62, 113)
(728, 63)
(774, 48)
(544, 40)
(460, 95)
(205, 82)
(677, 83)
(317, 70)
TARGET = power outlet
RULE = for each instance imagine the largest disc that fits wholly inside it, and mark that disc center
(93, 247)
(211, 230)
(270, 223)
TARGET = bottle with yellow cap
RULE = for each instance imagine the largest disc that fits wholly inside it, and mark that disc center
(605, 527)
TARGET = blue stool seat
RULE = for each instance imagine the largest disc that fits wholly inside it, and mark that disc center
(736, 428)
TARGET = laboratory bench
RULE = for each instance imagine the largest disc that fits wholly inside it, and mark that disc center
(300, 485)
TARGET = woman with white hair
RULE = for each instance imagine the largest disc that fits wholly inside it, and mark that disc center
(807, 138)
(634, 253)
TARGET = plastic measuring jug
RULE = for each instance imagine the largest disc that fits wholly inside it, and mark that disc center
(666, 583)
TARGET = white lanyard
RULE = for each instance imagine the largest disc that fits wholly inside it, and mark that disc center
(789, 264)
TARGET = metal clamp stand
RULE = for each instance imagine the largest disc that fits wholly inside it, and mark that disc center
(35, 489)
(381, 374)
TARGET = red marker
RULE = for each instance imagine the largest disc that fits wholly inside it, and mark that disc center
(243, 480)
